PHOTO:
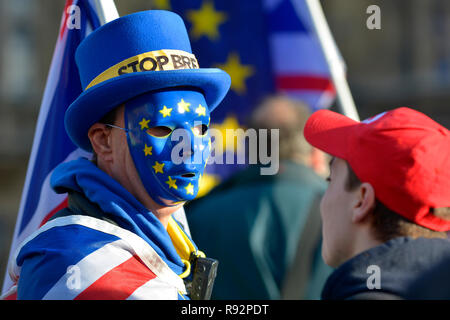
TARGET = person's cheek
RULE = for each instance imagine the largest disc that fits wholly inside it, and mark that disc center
(327, 226)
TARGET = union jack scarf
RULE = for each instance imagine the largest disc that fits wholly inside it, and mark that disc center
(83, 257)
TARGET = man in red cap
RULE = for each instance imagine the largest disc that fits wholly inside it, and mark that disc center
(387, 207)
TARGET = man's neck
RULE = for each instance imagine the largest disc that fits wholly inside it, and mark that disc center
(364, 241)
(164, 213)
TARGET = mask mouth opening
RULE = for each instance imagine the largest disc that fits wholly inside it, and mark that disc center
(188, 175)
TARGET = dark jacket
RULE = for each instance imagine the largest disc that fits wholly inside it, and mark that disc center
(434, 284)
(400, 262)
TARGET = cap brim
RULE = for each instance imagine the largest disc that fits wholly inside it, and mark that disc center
(330, 132)
(97, 101)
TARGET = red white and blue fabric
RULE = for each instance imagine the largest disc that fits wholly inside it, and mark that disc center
(275, 41)
(298, 62)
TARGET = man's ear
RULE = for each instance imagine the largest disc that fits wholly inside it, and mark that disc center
(364, 202)
(99, 135)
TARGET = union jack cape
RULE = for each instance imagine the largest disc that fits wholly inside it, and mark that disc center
(119, 265)
(302, 73)
(104, 245)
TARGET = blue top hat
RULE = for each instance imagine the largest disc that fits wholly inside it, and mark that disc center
(132, 55)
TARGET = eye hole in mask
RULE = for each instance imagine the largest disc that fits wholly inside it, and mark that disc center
(159, 131)
(200, 130)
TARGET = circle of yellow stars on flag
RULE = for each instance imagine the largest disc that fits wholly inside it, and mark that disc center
(200, 110)
(144, 123)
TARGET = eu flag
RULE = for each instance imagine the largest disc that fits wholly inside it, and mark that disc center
(266, 46)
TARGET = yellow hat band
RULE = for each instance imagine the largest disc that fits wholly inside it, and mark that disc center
(159, 60)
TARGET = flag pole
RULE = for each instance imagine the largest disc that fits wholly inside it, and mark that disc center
(346, 104)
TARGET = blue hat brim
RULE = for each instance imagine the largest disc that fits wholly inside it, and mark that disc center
(98, 100)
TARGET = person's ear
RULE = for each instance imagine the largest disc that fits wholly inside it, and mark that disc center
(364, 202)
(100, 136)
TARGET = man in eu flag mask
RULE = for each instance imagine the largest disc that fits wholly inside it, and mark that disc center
(145, 96)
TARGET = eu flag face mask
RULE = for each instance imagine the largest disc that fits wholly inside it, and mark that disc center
(169, 142)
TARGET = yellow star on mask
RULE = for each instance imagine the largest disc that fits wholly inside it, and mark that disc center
(172, 183)
(165, 111)
(158, 167)
(144, 123)
(189, 189)
(237, 71)
(205, 21)
(148, 150)
(183, 106)
(201, 110)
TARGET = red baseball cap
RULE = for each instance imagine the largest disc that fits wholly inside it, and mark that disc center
(402, 153)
